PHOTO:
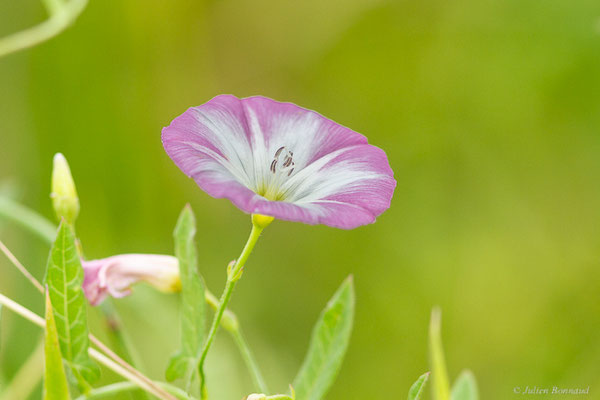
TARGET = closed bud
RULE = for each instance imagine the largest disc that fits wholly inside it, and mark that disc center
(256, 396)
(64, 195)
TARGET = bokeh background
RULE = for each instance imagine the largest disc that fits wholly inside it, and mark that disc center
(489, 113)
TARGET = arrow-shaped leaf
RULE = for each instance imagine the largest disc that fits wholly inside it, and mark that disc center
(416, 390)
(330, 338)
(55, 379)
(185, 362)
(465, 387)
(64, 277)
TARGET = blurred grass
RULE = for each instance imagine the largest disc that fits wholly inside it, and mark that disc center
(488, 112)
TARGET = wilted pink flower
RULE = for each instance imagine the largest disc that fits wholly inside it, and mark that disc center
(115, 275)
(281, 160)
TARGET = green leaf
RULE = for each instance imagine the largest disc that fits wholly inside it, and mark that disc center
(330, 338)
(441, 387)
(193, 314)
(465, 387)
(64, 277)
(416, 390)
(55, 379)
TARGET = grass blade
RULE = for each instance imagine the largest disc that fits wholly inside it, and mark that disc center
(55, 379)
(441, 387)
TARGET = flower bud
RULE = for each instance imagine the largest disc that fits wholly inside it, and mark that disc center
(64, 195)
(256, 396)
(115, 275)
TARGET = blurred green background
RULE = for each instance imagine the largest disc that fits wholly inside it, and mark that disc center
(489, 113)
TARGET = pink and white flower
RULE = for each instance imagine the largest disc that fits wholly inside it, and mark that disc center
(281, 160)
(115, 275)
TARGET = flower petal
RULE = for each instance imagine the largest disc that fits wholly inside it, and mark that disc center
(228, 146)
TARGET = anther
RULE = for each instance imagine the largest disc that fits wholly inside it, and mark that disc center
(273, 166)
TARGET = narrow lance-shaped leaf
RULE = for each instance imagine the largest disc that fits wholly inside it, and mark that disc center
(441, 387)
(416, 390)
(465, 387)
(185, 362)
(329, 341)
(64, 277)
(55, 379)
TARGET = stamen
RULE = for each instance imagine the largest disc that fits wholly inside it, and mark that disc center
(286, 166)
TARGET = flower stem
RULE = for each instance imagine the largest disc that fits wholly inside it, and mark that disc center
(93, 339)
(62, 15)
(95, 354)
(15, 261)
(233, 275)
(46, 230)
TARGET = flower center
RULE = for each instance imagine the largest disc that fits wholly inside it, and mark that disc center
(283, 162)
(281, 167)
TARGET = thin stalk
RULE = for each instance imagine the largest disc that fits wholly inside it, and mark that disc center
(233, 276)
(107, 362)
(120, 387)
(130, 369)
(62, 16)
(95, 354)
(41, 226)
(21, 268)
(93, 339)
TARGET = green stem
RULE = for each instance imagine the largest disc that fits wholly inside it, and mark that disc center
(93, 339)
(28, 219)
(248, 357)
(116, 388)
(62, 16)
(46, 230)
(146, 384)
(232, 277)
